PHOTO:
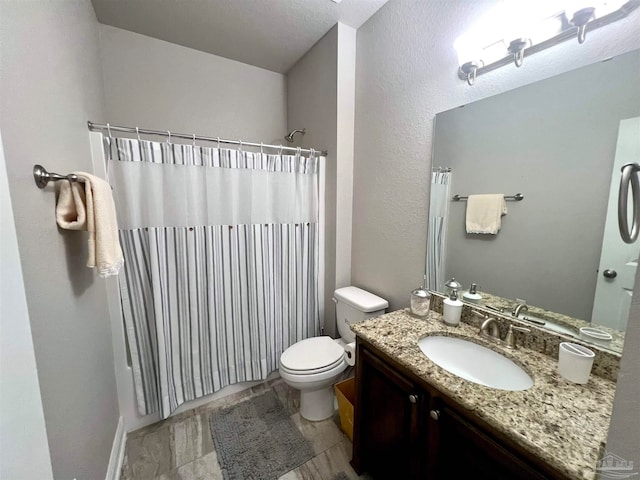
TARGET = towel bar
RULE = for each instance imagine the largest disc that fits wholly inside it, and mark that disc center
(42, 177)
(517, 197)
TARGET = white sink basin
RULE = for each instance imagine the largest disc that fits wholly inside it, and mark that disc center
(475, 363)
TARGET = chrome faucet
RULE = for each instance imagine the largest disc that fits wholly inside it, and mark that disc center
(521, 308)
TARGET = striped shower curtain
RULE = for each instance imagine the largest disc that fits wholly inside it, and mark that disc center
(438, 215)
(221, 264)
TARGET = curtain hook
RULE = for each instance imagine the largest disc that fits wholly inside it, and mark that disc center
(194, 140)
(138, 134)
(218, 138)
(109, 130)
(168, 137)
(280, 150)
(240, 146)
(261, 148)
(313, 153)
(298, 151)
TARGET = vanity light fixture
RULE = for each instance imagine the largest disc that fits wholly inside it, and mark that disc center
(513, 31)
(580, 18)
(470, 69)
(516, 48)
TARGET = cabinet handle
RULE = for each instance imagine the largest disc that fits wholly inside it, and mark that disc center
(435, 414)
(413, 398)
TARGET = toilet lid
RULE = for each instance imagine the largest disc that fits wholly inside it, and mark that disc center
(312, 354)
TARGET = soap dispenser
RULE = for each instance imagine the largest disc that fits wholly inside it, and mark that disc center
(452, 309)
(472, 296)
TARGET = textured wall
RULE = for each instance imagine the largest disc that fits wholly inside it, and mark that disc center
(51, 85)
(321, 98)
(312, 104)
(158, 85)
(406, 73)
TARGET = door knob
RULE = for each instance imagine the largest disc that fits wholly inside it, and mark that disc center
(608, 273)
(413, 398)
(435, 414)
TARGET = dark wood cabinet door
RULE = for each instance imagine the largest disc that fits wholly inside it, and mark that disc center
(390, 435)
(463, 451)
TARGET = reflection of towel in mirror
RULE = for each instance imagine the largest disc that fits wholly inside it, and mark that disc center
(88, 205)
(484, 213)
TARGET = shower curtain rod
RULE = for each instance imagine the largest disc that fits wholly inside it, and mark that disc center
(115, 128)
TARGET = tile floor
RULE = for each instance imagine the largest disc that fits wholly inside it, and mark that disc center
(181, 447)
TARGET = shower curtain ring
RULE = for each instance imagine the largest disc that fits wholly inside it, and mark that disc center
(313, 153)
(109, 130)
(138, 133)
(218, 138)
(261, 148)
(280, 150)
(240, 145)
(194, 140)
(168, 137)
(298, 151)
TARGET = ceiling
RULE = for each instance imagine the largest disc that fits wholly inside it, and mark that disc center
(272, 34)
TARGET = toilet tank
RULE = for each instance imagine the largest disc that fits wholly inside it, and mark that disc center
(354, 305)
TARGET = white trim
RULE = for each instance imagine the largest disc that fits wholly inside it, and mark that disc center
(117, 452)
(321, 239)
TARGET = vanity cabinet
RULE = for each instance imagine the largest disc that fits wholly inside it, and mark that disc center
(390, 434)
(405, 428)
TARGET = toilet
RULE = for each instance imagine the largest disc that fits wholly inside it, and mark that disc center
(313, 365)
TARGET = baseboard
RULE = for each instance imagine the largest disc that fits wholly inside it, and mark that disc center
(117, 452)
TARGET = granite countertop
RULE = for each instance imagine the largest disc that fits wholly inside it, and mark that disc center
(563, 423)
(615, 345)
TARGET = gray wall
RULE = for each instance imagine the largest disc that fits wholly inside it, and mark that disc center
(555, 142)
(406, 73)
(51, 85)
(159, 85)
(312, 104)
(24, 450)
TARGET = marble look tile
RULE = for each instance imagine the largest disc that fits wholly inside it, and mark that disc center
(321, 435)
(203, 468)
(324, 466)
(148, 456)
(191, 439)
(289, 397)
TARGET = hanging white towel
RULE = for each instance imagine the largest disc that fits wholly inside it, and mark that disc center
(88, 205)
(484, 213)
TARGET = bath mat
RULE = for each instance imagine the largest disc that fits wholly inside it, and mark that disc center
(257, 440)
(340, 476)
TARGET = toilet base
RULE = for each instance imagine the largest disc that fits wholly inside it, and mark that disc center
(316, 405)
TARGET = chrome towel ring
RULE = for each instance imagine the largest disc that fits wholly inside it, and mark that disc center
(629, 177)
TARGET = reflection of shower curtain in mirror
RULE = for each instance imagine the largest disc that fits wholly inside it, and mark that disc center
(220, 264)
(438, 214)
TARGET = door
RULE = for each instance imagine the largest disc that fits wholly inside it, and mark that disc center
(618, 260)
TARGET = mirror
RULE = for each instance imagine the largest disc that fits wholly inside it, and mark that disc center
(553, 141)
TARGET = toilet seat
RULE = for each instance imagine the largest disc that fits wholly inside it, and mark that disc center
(312, 356)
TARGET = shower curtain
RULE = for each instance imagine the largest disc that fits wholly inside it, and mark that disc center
(438, 214)
(221, 264)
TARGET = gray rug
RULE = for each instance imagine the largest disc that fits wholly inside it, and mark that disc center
(340, 476)
(257, 440)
